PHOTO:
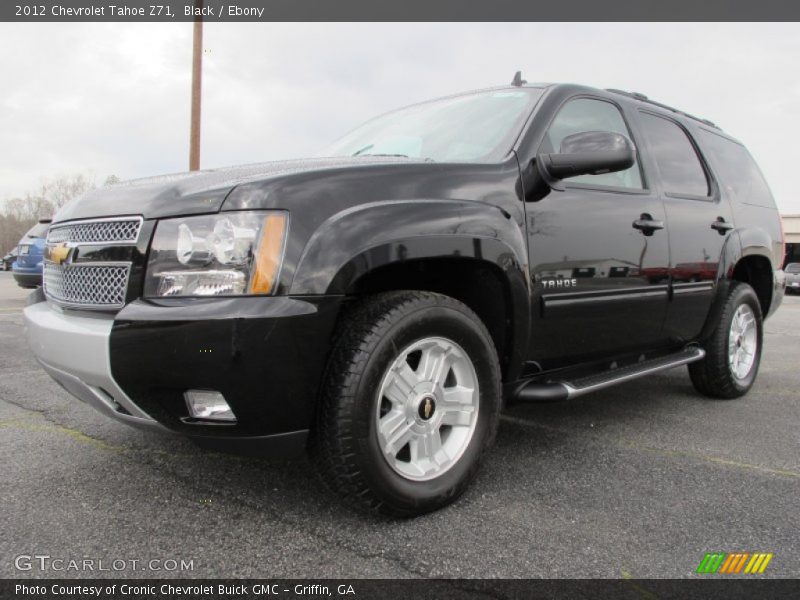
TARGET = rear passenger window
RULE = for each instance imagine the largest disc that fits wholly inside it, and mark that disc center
(682, 173)
(587, 114)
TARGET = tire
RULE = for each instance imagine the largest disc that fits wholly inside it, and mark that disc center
(368, 390)
(718, 375)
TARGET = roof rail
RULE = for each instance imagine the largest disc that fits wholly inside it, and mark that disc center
(643, 98)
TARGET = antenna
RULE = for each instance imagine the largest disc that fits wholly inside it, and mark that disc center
(518, 81)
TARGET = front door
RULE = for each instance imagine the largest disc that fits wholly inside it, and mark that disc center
(598, 253)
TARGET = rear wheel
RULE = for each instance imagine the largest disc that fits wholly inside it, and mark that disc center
(733, 352)
(411, 402)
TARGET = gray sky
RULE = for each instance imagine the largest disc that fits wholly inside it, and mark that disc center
(114, 98)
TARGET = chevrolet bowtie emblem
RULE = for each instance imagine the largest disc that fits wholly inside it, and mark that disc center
(428, 408)
(58, 254)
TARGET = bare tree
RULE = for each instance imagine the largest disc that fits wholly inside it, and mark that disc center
(19, 214)
(57, 192)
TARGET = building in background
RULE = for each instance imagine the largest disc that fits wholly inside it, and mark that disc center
(791, 235)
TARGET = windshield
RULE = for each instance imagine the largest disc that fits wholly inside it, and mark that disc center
(793, 268)
(473, 127)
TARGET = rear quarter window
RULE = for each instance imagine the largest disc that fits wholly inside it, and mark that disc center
(739, 174)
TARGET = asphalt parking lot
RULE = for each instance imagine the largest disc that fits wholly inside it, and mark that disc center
(636, 481)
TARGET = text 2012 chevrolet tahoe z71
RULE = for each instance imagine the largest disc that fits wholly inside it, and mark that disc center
(528, 243)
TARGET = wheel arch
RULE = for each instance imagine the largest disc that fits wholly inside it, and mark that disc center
(471, 251)
(746, 258)
(494, 296)
(755, 266)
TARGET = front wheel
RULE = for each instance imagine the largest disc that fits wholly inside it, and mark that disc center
(410, 403)
(733, 352)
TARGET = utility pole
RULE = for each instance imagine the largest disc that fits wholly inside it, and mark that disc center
(197, 86)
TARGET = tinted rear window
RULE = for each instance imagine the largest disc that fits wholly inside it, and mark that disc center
(740, 176)
(682, 173)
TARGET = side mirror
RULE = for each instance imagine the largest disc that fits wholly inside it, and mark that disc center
(587, 153)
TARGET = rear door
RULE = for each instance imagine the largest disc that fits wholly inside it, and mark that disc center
(699, 222)
(598, 252)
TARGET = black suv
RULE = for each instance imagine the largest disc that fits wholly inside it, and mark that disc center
(377, 307)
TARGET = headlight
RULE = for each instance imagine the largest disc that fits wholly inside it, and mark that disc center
(229, 254)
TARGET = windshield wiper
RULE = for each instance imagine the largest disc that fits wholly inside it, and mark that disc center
(368, 146)
(364, 149)
(379, 154)
(362, 152)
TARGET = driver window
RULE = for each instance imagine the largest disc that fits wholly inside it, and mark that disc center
(586, 114)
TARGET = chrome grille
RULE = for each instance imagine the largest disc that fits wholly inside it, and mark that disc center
(84, 283)
(87, 285)
(102, 231)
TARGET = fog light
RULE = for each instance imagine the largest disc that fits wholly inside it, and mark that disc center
(208, 405)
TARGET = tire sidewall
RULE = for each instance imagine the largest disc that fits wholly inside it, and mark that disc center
(430, 321)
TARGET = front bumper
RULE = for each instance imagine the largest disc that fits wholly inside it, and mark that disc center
(74, 352)
(265, 355)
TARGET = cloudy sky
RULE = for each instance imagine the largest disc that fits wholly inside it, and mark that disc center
(114, 98)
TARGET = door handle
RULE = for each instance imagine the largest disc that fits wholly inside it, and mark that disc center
(722, 226)
(647, 225)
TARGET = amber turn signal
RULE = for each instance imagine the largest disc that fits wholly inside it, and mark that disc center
(268, 255)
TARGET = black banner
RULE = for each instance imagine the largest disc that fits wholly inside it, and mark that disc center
(419, 589)
(407, 10)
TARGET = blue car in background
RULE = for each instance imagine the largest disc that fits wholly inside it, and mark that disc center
(27, 269)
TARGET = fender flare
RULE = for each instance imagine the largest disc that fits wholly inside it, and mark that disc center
(755, 241)
(741, 243)
(363, 238)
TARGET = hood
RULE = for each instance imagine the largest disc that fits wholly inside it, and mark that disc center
(196, 192)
